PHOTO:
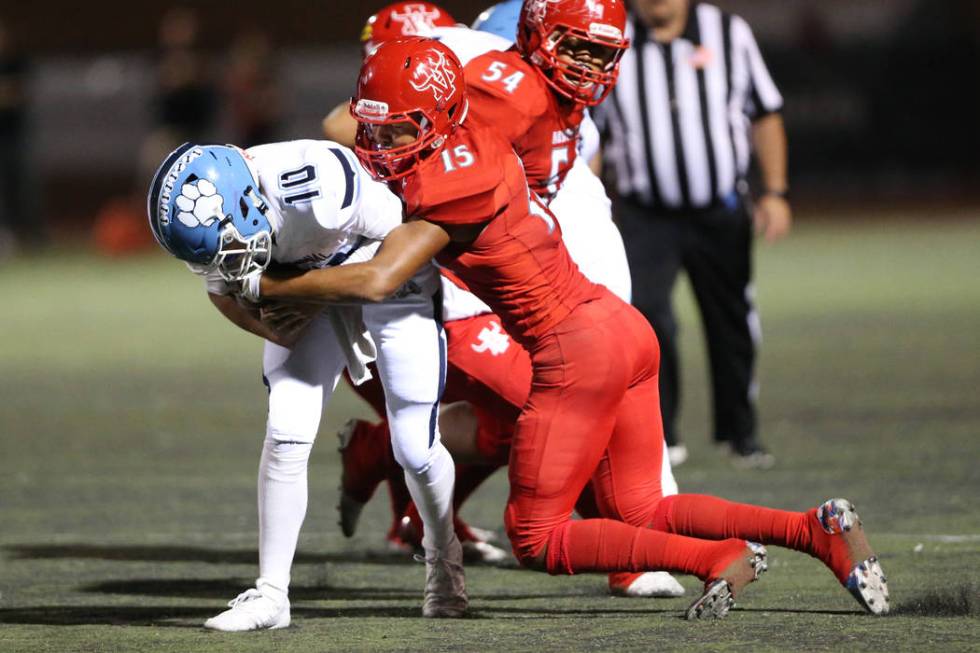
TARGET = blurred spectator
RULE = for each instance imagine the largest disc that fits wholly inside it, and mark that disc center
(17, 224)
(251, 90)
(185, 99)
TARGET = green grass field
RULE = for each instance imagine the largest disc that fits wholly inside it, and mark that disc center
(131, 420)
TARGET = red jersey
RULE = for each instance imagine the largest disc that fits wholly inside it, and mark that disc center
(518, 264)
(510, 95)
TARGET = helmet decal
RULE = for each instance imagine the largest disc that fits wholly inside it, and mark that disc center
(537, 9)
(167, 186)
(371, 109)
(602, 30)
(416, 19)
(597, 8)
(434, 75)
(199, 204)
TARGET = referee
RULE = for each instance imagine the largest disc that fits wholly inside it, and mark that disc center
(693, 100)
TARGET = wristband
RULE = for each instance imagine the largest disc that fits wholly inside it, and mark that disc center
(777, 193)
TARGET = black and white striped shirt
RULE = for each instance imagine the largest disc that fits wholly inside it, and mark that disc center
(677, 124)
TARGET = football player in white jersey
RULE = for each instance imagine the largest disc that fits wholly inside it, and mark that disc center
(308, 204)
(593, 240)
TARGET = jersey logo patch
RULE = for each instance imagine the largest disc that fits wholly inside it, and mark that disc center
(434, 75)
(492, 339)
(200, 204)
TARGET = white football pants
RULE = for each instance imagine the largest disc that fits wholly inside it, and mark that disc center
(411, 363)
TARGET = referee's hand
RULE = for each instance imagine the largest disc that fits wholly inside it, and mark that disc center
(773, 217)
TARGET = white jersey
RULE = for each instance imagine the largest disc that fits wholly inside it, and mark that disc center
(323, 205)
(468, 43)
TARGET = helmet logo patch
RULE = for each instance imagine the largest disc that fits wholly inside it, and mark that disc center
(167, 187)
(199, 204)
(416, 19)
(433, 74)
(537, 10)
(596, 7)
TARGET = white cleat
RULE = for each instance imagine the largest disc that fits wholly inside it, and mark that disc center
(867, 584)
(715, 603)
(651, 585)
(254, 609)
(677, 455)
(483, 534)
(484, 553)
(445, 582)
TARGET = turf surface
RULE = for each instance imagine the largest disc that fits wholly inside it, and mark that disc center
(132, 416)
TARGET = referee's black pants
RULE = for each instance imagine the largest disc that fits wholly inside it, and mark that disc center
(714, 247)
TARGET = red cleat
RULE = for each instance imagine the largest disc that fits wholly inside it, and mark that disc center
(362, 454)
(840, 542)
(721, 588)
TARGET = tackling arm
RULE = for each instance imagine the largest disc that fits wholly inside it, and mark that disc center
(339, 126)
(404, 250)
(284, 325)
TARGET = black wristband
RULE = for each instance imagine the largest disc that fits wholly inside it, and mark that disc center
(777, 193)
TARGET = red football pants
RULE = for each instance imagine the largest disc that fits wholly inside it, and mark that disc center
(593, 414)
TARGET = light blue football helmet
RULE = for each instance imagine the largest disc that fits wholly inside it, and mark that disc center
(205, 208)
(500, 19)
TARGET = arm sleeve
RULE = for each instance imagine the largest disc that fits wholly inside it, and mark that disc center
(764, 98)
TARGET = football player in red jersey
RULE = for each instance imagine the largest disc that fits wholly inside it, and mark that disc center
(566, 59)
(593, 410)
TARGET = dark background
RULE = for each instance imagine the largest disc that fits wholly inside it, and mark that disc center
(881, 97)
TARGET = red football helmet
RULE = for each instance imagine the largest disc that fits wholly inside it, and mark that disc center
(413, 86)
(402, 19)
(546, 28)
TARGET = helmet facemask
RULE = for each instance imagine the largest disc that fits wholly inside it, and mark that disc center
(238, 256)
(581, 65)
(376, 141)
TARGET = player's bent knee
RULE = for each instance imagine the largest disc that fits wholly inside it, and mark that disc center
(285, 460)
(529, 544)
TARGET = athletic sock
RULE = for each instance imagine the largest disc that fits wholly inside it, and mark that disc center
(699, 515)
(606, 545)
(432, 492)
(282, 496)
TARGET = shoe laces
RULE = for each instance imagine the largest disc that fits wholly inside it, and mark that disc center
(250, 594)
(437, 559)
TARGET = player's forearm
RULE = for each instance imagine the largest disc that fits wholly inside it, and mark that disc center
(240, 316)
(357, 282)
(769, 138)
